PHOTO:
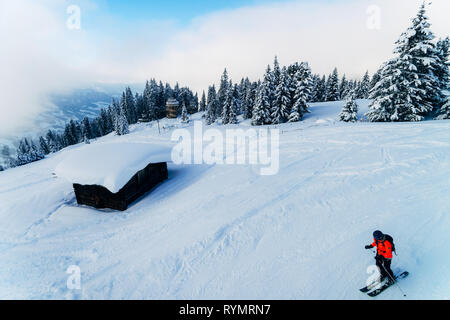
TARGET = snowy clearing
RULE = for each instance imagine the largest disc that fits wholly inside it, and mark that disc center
(226, 232)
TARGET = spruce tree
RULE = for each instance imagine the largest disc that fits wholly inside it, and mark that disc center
(86, 128)
(408, 88)
(302, 92)
(51, 141)
(444, 111)
(44, 148)
(375, 79)
(441, 68)
(249, 100)
(350, 110)
(202, 105)
(131, 113)
(222, 93)
(261, 110)
(35, 152)
(229, 113)
(282, 106)
(210, 117)
(322, 90)
(364, 87)
(417, 48)
(7, 158)
(343, 87)
(120, 118)
(23, 151)
(333, 87)
(184, 114)
(237, 99)
(276, 75)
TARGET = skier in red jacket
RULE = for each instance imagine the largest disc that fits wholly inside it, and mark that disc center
(384, 255)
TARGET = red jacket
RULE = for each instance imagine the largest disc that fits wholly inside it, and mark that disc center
(384, 248)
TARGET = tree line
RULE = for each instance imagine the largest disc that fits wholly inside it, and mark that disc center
(281, 96)
(129, 109)
(411, 86)
(408, 87)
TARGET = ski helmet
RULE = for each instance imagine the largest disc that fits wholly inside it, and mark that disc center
(378, 235)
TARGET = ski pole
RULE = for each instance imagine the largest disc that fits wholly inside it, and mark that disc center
(395, 282)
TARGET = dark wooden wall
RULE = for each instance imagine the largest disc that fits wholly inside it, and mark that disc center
(143, 181)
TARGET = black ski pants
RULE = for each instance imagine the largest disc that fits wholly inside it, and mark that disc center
(384, 265)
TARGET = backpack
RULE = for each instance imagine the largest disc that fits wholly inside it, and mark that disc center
(391, 241)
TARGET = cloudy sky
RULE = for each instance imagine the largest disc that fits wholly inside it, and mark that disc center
(44, 51)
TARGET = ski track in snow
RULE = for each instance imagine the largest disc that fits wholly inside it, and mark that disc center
(225, 232)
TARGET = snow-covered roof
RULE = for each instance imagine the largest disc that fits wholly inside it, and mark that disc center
(110, 165)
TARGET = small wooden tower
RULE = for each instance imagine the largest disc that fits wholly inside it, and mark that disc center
(172, 107)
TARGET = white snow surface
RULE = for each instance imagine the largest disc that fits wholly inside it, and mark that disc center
(226, 232)
(111, 164)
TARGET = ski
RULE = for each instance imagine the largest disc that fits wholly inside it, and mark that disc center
(376, 292)
(370, 286)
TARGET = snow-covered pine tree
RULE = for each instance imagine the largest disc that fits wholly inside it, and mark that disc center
(35, 152)
(375, 79)
(222, 93)
(95, 127)
(302, 92)
(250, 98)
(417, 48)
(210, 117)
(364, 87)
(314, 88)
(241, 93)
(322, 90)
(291, 81)
(269, 89)
(237, 102)
(68, 139)
(184, 114)
(7, 158)
(343, 87)
(408, 87)
(140, 105)
(44, 148)
(195, 103)
(333, 87)
(23, 152)
(75, 130)
(276, 74)
(392, 95)
(444, 111)
(261, 110)
(229, 113)
(86, 128)
(120, 119)
(350, 110)
(28, 152)
(282, 104)
(151, 99)
(132, 116)
(441, 69)
(202, 105)
(245, 84)
(52, 142)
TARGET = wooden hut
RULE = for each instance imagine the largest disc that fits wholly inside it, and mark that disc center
(172, 107)
(143, 181)
(114, 175)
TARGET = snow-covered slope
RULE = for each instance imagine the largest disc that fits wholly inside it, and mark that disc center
(224, 231)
